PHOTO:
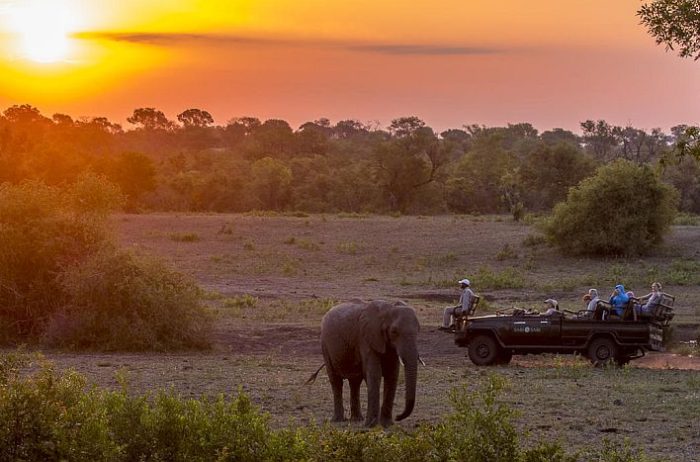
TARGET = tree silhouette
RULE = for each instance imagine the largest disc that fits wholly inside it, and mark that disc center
(674, 23)
(195, 118)
(150, 119)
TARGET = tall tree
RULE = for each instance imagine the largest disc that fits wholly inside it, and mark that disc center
(150, 118)
(195, 118)
(675, 24)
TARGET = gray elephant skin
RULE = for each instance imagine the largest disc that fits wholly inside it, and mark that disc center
(364, 341)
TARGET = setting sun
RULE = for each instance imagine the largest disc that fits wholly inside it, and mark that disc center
(42, 28)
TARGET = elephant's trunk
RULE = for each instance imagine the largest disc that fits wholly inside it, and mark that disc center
(409, 355)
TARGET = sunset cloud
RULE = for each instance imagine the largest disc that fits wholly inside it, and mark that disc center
(193, 39)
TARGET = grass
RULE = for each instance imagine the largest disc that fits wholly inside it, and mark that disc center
(687, 219)
(184, 237)
(509, 278)
(506, 253)
(349, 247)
(558, 400)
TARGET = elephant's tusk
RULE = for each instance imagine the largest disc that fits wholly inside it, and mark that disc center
(401, 361)
(421, 361)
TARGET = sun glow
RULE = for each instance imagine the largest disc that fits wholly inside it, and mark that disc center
(43, 28)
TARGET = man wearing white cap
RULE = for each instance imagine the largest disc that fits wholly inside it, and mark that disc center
(465, 301)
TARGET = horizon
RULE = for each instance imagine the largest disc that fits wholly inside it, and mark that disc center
(450, 64)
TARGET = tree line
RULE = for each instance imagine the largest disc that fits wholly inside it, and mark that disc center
(192, 164)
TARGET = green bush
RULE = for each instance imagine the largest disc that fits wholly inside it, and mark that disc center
(50, 416)
(118, 301)
(42, 231)
(623, 210)
(63, 281)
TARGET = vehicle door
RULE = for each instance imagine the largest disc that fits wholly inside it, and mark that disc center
(536, 330)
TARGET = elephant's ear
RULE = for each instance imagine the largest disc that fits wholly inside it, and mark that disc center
(372, 326)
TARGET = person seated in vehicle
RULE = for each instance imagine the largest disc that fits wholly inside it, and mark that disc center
(650, 301)
(619, 300)
(593, 300)
(466, 299)
(552, 307)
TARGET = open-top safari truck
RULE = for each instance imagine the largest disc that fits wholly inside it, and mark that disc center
(598, 335)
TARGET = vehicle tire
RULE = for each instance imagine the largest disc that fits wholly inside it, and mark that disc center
(602, 351)
(504, 357)
(483, 350)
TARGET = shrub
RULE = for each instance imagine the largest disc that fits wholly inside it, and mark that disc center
(50, 416)
(184, 237)
(42, 231)
(623, 210)
(62, 280)
(122, 302)
(509, 278)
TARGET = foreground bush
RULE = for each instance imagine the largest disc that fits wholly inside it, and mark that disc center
(623, 210)
(50, 417)
(63, 281)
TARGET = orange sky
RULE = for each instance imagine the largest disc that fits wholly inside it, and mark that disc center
(550, 62)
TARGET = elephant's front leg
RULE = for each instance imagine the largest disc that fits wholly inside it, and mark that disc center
(373, 377)
(355, 410)
(390, 370)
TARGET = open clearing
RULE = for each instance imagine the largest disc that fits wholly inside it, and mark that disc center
(270, 279)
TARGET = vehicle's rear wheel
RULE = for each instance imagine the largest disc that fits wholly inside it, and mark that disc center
(602, 351)
(483, 350)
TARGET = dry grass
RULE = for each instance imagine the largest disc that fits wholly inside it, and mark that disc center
(270, 291)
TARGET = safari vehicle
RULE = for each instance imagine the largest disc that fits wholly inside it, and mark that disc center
(599, 336)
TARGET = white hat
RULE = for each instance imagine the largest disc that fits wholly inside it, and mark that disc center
(465, 282)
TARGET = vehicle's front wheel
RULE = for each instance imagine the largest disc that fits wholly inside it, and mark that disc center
(504, 357)
(483, 350)
(602, 351)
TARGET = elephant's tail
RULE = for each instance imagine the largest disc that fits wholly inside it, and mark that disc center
(312, 379)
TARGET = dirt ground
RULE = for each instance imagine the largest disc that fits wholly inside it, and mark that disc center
(269, 280)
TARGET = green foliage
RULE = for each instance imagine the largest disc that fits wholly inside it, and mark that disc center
(241, 301)
(63, 282)
(509, 278)
(50, 416)
(534, 240)
(686, 219)
(675, 24)
(43, 230)
(481, 426)
(623, 210)
(118, 301)
(506, 253)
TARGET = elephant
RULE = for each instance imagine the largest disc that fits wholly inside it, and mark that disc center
(363, 341)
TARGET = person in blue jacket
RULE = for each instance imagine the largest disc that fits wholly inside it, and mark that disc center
(619, 300)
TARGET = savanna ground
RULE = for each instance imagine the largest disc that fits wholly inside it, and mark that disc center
(269, 279)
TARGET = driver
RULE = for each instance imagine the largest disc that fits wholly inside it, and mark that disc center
(465, 301)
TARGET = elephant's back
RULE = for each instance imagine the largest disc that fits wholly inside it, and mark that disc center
(341, 319)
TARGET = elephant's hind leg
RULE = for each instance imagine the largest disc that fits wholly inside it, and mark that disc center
(355, 410)
(337, 386)
(336, 381)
